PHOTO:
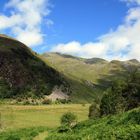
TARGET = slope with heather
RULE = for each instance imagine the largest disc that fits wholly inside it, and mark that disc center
(23, 73)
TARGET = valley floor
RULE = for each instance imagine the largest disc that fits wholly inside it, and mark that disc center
(20, 116)
(41, 122)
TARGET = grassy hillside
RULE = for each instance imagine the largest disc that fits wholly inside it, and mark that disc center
(88, 77)
(23, 73)
(124, 126)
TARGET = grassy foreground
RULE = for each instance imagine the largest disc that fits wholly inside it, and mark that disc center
(125, 126)
(40, 122)
(17, 116)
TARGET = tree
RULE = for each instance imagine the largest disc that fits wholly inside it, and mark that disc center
(132, 92)
(113, 102)
(69, 119)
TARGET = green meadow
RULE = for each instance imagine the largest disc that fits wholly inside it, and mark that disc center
(18, 116)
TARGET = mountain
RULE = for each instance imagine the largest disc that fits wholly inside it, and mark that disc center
(23, 73)
(88, 78)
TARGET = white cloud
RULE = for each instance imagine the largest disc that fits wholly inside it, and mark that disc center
(85, 50)
(72, 48)
(131, 1)
(122, 43)
(25, 19)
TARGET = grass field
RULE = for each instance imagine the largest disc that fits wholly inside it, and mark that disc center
(13, 117)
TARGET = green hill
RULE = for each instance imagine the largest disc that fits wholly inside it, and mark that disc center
(88, 78)
(23, 73)
(125, 126)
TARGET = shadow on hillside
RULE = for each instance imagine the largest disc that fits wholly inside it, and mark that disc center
(106, 80)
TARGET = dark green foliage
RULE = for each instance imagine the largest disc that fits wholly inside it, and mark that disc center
(123, 95)
(63, 128)
(113, 102)
(132, 91)
(5, 90)
(94, 111)
(62, 101)
(22, 134)
(133, 117)
(69, 119)
(13, 137)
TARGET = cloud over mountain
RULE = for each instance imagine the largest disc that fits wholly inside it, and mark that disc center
(121, 43)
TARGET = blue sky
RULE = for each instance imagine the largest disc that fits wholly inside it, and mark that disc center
(85, 28)
(84, 20)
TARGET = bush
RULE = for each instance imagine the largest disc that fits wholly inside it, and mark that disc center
(26, 102)
(63, 129)
(69, 119)
(94, 111)
(133, 117)
(13, 137)
(62, 101)
(47, 101)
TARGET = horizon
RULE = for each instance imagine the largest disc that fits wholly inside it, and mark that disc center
(91, 57)
(92, 29)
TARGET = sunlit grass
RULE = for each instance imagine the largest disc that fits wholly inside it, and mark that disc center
(15, 116)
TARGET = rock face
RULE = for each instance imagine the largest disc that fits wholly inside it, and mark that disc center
(23, 72)
(58, 94)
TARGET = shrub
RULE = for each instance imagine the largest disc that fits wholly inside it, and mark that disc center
(47, 101)
(34, 133)
(69, 119)
(133, 117)
(26, 102)
(13, 137)
(62, 101)
(63, 129)
(94, 111)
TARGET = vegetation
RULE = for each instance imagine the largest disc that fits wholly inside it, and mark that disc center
(47, 102)
(94, 111)
(123, 94)
(69, 119)
(125, 126)
(113, 101)
(25, 134)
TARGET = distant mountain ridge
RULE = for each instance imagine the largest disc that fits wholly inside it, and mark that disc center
(88, 77)
(90, 60)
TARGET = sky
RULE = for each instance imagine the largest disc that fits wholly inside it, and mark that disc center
(108, 29)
